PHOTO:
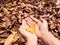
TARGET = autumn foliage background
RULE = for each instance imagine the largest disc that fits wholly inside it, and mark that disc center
(13, 11)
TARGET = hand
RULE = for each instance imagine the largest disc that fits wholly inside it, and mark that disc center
(31, 38)
(42, 30)
(41, 25)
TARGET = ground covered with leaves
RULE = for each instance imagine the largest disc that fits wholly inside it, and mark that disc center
(13, 11)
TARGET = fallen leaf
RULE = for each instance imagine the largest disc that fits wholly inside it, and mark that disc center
(11, 38)
(15, 38)
(1, 31)
(6, 11)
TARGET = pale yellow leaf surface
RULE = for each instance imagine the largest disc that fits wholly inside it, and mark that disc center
(11, 38)
(32, 28)
(15, 38)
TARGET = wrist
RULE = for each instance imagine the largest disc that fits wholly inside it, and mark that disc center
(31, 38)
(49, 38)
(44, 34)
(31, 41)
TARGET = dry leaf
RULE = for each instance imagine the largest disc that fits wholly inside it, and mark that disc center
(2, 40)
(15, 38)
(32, 28)
(6, 11)
(1, 31)
(11, 38)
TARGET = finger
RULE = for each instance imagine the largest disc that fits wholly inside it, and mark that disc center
(36, 20)
(23, 31)
(40, 19)
(37, 28)
(28, 23)
(44, 21)
(23, 22)
(28, 20)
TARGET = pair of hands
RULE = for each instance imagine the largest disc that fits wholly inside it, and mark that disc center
(41, 28)
(41, 31)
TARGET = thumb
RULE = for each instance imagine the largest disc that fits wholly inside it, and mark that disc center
(23, 32)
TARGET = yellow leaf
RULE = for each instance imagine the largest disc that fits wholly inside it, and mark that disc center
(32, 28)
(15, 38)
(11, 38)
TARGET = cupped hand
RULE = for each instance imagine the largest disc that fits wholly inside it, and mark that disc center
(42, 30)
(41, 25)
(25, 33)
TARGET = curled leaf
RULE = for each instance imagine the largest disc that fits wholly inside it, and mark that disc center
(6, 11)
(1, 31)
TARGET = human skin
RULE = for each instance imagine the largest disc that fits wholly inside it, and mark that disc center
(31, 38)
(42, 30)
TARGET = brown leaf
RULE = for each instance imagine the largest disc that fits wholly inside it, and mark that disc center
(1, 31)
(6, 11)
